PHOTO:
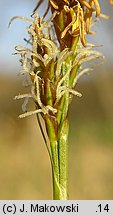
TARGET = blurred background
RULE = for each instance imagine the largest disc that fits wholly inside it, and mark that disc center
(24, 163)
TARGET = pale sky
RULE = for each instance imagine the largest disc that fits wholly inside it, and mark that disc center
(13, 36)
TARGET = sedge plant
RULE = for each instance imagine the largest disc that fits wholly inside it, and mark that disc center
(54, 59)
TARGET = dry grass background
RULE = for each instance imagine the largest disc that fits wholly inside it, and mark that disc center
(24, 165)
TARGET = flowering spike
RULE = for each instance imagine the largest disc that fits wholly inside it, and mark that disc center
(53, 62)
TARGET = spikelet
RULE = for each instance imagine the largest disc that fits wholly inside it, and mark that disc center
(44, 60)
(79, 12)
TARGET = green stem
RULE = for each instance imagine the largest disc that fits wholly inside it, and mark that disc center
(54, 155)
(63, 139)
(60, 176)
(62, 186)
(63, 160)
(55, 170)
(57, 131)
